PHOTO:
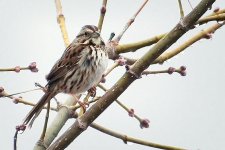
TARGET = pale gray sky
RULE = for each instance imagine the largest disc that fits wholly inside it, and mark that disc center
(186, 111)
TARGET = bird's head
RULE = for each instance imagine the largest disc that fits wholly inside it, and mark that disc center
(90, 34)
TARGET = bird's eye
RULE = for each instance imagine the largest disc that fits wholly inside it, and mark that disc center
(86, 33)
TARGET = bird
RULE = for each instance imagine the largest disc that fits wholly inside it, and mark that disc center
(80, 68)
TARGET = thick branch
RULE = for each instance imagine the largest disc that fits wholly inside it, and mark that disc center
(123, 83)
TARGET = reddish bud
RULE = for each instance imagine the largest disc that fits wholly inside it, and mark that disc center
(131, 112)
(16, 100)
(208, 36)
(121, 61)
(216, 9)
(144, 123)
(103, 9)
(21, 127)
(17, 69)
(183, 73)
(1, 91)
(171, 70)
(183, 68)
(33, 67)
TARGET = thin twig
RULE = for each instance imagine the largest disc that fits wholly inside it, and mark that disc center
(219, 17)
(32, 67)
(116, 64)
(17, 100)
(217, 12)
(121, 104)
(13, 69)
(15, 140)
(102, 14)
(75, 107)
(127, 139)
(21, 92)
(181, 9)
(190, 4)
(61, 22)
(202, 34)
(171, 53)
(46, 123)
(118, 38)
(132, 47)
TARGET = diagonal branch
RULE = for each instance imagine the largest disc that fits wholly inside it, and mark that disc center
(130, 76)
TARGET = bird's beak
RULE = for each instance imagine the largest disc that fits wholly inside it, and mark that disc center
(95, 35)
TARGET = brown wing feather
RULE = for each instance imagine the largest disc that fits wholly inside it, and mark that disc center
(68, 60)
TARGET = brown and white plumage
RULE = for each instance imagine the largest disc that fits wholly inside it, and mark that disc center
(80, 68)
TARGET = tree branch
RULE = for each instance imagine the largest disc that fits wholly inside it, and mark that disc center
(171, 53)
(135, 71)
(61, 22)
(202, 34)
(118, 38)
(102, 15)
(126, 138)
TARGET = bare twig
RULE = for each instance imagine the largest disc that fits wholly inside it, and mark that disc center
(202, 34)
(128, 110)
(132, 47)
(116, 64)
(75, 107)
(170, 70)
(46, 122)
(61, 22)
(219, 17)
(117, 39)
(32, 67)
(181, 9)
(171, 53)
(21, 92)
(217, 12)
(102, 14)
(40, 144)
(126, 138)
(17, 100)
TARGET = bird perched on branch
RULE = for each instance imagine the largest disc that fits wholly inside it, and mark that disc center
(79, 69)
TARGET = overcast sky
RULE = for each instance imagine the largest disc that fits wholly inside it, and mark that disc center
(185, 112)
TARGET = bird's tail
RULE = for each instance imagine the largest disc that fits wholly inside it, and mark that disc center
(33, 114)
